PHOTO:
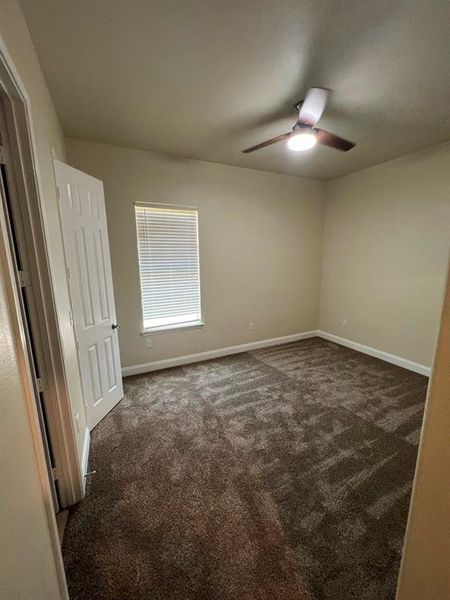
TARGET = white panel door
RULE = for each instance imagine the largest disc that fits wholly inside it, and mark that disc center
(85, 233)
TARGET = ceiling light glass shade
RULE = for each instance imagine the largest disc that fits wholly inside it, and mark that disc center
(303, 140)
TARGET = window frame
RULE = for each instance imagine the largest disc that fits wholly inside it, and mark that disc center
(176, 327)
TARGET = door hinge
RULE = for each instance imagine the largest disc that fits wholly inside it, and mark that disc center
(55, 473)
(40, 384)
(58, 192)
(24, 278)
(3, 155)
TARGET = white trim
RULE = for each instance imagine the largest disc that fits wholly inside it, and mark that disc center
(26, 177)
(163, 205)
(14, 103)
(85, 456)
(208, 355)
(390, 358)
(200, 356)
(173, 328)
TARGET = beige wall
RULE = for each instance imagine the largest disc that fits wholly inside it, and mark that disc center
(386, 241)
(261, 237)
(385, 248)
(47, 138)
(260, 246)
(425, 571)
(27, 565)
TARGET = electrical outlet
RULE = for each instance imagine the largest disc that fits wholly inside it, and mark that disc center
(251, 326)
(344, 323)
(148, 343)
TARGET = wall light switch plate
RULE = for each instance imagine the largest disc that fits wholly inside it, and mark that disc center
(251, 325)
(148, 343)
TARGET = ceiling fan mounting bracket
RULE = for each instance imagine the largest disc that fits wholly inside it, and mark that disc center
(299, 125)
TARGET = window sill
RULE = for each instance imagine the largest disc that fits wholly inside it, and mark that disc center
(173, 328)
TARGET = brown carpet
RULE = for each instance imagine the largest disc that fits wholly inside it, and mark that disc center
(279, 474)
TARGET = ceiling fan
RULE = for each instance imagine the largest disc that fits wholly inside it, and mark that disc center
(304, 134)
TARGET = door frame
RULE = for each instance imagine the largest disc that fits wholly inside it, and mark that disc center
(7, 270)
(25, 176)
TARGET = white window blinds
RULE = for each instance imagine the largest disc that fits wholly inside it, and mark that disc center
(169, 266)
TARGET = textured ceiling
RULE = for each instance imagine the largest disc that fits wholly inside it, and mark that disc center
(206, 78)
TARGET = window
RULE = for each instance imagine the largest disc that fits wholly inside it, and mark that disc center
(169, 266)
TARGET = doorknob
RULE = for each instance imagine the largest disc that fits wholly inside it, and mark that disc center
(115, 326)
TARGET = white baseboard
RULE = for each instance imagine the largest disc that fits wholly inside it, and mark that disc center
(200, 356)
(85, 456)
(390, 358)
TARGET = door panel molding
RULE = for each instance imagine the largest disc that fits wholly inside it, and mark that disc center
(86, 245)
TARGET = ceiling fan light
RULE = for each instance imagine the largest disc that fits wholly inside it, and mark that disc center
(304, 140)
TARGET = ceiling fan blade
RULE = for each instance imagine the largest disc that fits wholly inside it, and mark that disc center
(313, 106)
(333, 141)
(275, 140)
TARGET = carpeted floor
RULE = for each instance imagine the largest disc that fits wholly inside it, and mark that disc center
(279, 474)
